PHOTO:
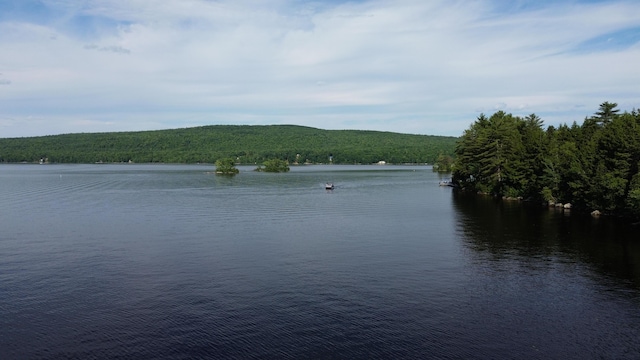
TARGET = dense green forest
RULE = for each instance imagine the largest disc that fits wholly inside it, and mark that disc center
(247, 144)
(592, 166)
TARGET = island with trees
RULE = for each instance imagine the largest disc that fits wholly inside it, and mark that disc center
(443, 164)
(226, 166)
(274, 165)
(593, 166)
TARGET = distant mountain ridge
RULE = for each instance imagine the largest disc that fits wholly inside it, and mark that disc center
(248, 144)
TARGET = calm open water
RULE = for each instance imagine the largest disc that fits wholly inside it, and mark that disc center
(168, 261)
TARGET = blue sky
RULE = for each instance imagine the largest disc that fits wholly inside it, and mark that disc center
(410, 66)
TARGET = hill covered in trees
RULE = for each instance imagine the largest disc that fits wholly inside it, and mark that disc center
(592, 166)
(247, 144)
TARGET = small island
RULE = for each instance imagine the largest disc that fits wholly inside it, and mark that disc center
(274, 165)
(226, 166)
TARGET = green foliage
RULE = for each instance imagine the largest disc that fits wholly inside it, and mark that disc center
(595, 165)
(226, 166)
(490, 154)
(246, 144)
(547, 195)
(274, 165)
(606, 112)
(443, 164)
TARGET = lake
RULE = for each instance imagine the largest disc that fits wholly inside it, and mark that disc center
(171, 261)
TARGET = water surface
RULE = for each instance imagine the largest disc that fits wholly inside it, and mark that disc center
(170, 261)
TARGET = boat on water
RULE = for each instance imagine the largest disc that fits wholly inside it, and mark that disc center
(446, 183)
(328, 186)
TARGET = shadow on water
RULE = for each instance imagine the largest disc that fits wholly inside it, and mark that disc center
(530, 234)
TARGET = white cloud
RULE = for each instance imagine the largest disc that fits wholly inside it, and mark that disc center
(407, 66)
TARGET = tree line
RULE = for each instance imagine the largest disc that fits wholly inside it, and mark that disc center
(592, 166)
(244, 143)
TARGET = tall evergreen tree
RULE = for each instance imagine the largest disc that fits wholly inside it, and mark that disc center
(606, 112)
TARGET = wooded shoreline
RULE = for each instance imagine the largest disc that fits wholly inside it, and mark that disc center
(594, 166)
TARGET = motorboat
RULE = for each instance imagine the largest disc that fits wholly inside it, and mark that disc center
(446, 183)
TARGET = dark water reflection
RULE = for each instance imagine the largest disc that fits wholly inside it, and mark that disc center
(497, 229)
(545, 281)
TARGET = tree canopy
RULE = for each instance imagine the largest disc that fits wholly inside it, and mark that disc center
(593, 166)
(443, 164)
(274, 165)
(226, 166)
(246, 144)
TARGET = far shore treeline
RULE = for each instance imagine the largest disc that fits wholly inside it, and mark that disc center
(245, 144)
(593, 166)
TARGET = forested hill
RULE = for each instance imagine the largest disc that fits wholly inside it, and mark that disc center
(248, 144)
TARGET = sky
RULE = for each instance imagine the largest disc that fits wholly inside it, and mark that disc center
(409, 66)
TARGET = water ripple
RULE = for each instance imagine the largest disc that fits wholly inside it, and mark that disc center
(172, 262)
